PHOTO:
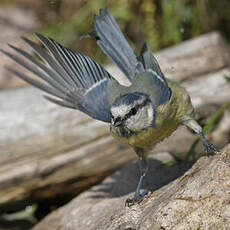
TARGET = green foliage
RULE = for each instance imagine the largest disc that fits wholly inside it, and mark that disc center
(172, 18)
(148, 24)
(160, 23)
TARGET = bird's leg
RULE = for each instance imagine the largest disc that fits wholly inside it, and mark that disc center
(209, 147)
(143, 164)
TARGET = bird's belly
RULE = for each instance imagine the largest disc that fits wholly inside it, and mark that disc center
(149, 137)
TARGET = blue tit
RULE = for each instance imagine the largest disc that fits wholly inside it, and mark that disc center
(140, 115)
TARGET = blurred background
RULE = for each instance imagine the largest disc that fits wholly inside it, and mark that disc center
(160, 23)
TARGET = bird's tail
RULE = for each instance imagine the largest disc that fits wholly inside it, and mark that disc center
(111, 40)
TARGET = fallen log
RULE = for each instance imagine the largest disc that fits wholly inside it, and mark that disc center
(199, 199)
(194, 57)
(47, 150)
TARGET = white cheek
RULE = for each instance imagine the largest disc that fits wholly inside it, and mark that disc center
(150, 114)
(137, 122)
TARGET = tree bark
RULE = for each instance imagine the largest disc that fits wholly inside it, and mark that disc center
(199, 199)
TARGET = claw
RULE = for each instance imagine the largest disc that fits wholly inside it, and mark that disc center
(210, 149)
(131, 201)
(136, 199)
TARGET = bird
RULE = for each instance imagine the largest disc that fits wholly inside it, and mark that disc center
(141, 115)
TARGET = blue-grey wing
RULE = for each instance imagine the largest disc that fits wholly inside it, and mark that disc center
(97, 97)
(113, 43)
(70, 79)
(157, 80)
(111, 40)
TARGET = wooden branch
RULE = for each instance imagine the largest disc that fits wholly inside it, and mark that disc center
(44, 147)
(194, 57)
(199, 199)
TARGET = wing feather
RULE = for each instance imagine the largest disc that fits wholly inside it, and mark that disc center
(74, 80)
(113, 43)
(70, 79)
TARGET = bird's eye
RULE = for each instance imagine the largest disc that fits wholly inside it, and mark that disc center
(126, 116)
(133, 111)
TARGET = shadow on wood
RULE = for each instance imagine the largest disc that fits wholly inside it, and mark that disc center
(197, 200)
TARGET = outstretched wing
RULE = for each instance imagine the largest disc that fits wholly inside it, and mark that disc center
(70, 79)
(158, 82)
(149, 61)
(111, 40)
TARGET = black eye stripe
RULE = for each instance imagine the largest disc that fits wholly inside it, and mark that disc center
(118, 119)
(132, 113)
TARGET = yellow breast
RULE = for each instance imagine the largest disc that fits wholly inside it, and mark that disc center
(168, 117)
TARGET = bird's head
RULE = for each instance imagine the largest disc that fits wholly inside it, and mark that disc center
(131, 114)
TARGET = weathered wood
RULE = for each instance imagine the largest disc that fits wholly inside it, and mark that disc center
(14, 22)
(199, 199)
(194, 57)
(44, 147)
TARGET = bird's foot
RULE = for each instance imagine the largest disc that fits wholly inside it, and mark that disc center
(210, 149)
(136, 199)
